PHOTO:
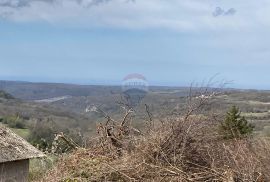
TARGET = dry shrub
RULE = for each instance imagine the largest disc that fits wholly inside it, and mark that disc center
(182, 147)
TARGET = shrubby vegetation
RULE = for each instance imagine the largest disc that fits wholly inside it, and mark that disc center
(44, 132)
(181, 147)
(235, 125)
(40, 132)
(14, 122)
(5, 95)
(174, 143)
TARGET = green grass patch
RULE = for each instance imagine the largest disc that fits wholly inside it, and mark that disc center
(24, 133)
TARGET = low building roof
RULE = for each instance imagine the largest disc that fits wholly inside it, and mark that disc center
(13, 147)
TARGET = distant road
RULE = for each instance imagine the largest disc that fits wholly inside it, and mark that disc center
(54, 99)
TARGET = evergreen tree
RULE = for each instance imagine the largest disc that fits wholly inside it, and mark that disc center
(235, 125)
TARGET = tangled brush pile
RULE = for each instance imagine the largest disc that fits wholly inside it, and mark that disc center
(184, 147)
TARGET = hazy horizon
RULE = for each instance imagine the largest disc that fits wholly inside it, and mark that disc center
(119, 84)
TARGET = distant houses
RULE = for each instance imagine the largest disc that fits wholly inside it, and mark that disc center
(15, 153)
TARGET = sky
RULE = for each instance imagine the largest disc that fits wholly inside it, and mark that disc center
(170, 42)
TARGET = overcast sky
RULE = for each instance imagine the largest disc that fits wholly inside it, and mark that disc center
(170, 42)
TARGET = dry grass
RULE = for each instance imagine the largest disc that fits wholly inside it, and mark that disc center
(182, 147)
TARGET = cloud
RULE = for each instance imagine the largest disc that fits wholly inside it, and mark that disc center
(230, 11)
(26, 3)
(176, 15)
(96, 2)
(221, 12)
(218, 11)
(31, 10)
(21, 3)
(50, 10)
